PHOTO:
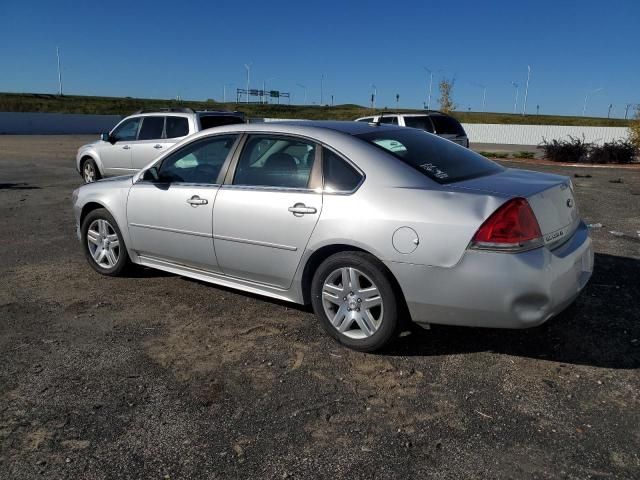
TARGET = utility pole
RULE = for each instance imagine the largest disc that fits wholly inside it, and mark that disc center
(397, 101)
(332, 100)
(526, 91)
(59, 72)
(265, 98)
(321, 89)
(609, 112)
(430, 72)
(248, 67)
(515, 103)
(626, 110)
(373, 96)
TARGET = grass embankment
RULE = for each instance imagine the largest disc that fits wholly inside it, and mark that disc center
(29, 102)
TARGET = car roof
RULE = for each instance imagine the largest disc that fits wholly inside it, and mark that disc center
(344, 126)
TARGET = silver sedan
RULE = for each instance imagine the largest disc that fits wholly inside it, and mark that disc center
(371, 224)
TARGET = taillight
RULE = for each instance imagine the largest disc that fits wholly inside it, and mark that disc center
(511, 228)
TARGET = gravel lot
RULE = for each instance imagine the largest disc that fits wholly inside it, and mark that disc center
(158, 376)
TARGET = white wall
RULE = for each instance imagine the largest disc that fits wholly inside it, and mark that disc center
(535, 134)
(55, 123)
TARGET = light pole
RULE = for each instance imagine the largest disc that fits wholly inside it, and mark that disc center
(373, 97)
(248, 67)
(484, 93)
(264, 88)
(586, 97)
(515, 103)
(430, 72)
(526, 91)
(59, 72)
(305, 91)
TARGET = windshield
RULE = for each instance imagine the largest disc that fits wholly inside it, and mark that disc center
(440, 160)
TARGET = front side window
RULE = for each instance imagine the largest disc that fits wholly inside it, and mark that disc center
(438, 159)
(339, 176)
(273, 161)
(152, 128)
(421, 122)
(198, 162)
(127, 130)
(177, 127)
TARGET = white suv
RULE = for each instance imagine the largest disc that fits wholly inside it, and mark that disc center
(142, 137)
(441, 124)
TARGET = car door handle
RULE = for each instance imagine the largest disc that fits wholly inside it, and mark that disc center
(157, 146)
(126, 147)
(301, 209)
(196, 200)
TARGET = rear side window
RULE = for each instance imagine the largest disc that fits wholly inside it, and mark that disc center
(391, 119)
(447, 125)
(210, 121)
(423, 123)
(367, 119)
(440, 160)
(274, 161)
(177, 127)
(339, 176)
(151, 129)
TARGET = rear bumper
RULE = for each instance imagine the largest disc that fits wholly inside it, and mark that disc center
(499, 290)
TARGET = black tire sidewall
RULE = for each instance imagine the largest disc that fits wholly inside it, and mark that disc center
(371, 267)
(123, 259)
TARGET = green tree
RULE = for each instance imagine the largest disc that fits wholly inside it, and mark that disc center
(446, 95)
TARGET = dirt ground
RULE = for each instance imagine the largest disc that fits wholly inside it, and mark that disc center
(158, 376)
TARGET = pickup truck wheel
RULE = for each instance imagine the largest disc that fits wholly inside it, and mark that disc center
(90, 172)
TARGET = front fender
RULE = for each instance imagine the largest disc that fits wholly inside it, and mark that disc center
(91, 153)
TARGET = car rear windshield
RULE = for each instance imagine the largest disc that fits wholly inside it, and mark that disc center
(210, 121)
(440, 160)
(447, 125)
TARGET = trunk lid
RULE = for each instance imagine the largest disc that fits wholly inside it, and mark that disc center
(550, 197)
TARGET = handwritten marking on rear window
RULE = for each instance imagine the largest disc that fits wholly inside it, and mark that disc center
(434, 170)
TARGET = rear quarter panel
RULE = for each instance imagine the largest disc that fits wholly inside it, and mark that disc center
(444, 222)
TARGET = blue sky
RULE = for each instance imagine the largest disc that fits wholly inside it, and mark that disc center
(162, 49)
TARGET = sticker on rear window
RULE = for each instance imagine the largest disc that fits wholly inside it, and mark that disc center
(434, 170)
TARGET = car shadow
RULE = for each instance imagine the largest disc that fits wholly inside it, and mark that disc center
(18, 186)
(601, 329)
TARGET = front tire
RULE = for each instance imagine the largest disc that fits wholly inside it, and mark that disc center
(355, 301)
(90, 172)
(103, 244)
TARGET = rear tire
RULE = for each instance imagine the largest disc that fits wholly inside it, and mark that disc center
(354, 300)
(90, 172)
(103, 244)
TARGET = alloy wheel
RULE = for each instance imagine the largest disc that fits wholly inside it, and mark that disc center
(103, 243)
(352, 302)
(89, 172)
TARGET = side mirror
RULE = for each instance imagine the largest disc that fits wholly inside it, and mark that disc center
(105, 137)
(151, 175)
